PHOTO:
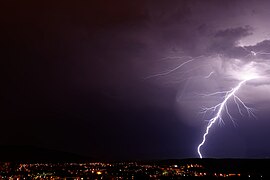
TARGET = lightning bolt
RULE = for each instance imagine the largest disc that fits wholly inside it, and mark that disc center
(247, 73)
(176, 68)
(219, 108)
(209, 75)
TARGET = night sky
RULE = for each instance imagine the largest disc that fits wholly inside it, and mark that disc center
(95, 77)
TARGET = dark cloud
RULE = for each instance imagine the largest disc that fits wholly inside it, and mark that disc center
(225, 42)
(263, 46)
(234, 34)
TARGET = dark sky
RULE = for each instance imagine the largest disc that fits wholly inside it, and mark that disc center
(95, 77)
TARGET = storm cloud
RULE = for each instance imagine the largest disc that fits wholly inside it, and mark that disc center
(81, 67)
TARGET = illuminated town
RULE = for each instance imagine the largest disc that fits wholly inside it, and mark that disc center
(175, 169)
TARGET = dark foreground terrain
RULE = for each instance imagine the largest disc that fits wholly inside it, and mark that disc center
(37, 163)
